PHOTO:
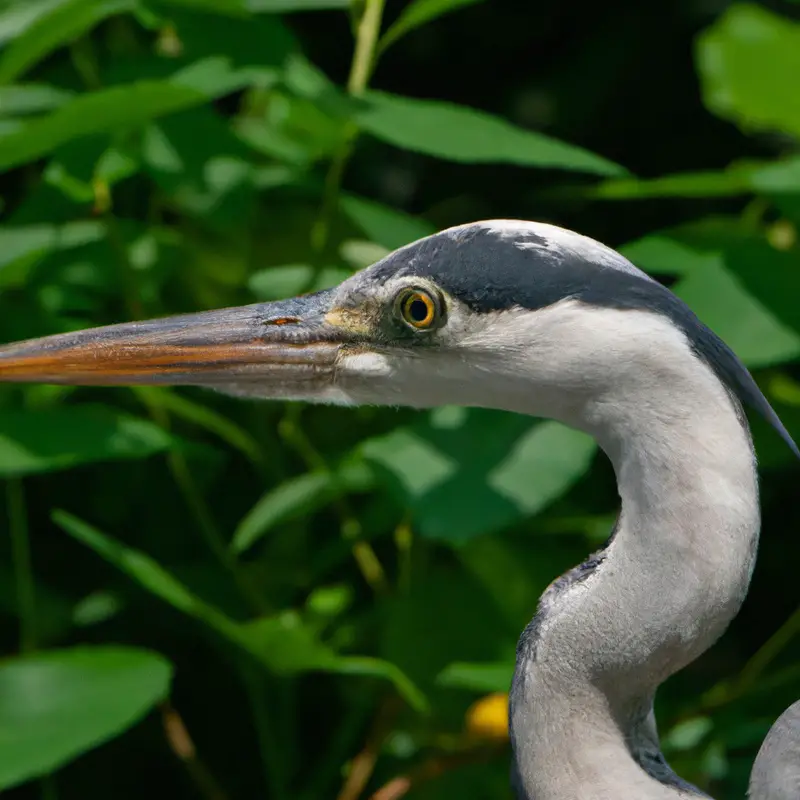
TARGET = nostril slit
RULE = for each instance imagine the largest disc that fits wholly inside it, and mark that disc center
(282, 321)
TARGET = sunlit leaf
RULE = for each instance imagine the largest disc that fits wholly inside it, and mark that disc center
(384, 225)
(297, 496)
(721, 301)
(418, 13)
(278, 283)
(31, 98)
(287, 6)
(458, 133)
(63, 24)
(735, 281)
(21, 247)
(240, 8)
(59, 704)
(120, 107)
(484, 472)
(16, 18)
(494, 677)
(744, 60)
(52, 439)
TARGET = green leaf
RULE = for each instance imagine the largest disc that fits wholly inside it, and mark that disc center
(31, 98)
(277, 283)
(150, 575)
(288, 6)
(281, 643)
(384, 225)
(298, 496)
(483, 678)
(120, 107)
(32, 442)
(458, 133)
(744, 60)
(202, 416)
(779, 177)
(468, 472)
(729, 183)
(16, 18)
(59, 704)
(245, 7)
(61, 25)
(738, 285)
(23, 246)
(721, 301)
(419, 12)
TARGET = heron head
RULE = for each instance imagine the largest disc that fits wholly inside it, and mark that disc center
(505, 314)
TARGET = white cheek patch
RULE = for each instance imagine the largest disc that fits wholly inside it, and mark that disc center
(365, 364)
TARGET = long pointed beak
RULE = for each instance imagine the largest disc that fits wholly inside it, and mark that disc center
(288, 344)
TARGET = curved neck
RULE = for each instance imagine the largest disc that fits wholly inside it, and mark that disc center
(663, 590)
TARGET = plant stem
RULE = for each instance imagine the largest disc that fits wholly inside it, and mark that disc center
(271, 757)
(367, 33)
(349, 525)
(180, 742)
(764, 656)
(23, 572)
(199, 509)
(363, 64)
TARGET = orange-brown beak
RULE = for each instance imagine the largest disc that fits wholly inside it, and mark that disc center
(288, 347)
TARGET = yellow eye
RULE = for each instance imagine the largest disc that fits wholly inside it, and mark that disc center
(418, 309)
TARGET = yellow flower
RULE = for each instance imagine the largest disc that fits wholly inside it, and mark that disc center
(487, 718)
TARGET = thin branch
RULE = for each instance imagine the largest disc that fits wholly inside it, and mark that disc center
(181, 744)
(363, 765)
(433, 768)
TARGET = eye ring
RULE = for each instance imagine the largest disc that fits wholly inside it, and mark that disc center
(418, 309)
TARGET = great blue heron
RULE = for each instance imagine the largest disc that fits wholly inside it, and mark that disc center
(535, 319)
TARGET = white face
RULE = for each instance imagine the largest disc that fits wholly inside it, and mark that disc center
(558, 362)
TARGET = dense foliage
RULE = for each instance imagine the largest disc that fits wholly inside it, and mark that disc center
(205, 597)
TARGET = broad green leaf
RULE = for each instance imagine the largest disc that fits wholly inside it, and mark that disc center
(277, 283)
(23, 246)
(484, 678)
(46, 440)
(234, 8)
(360, 254)
(727, 183)
(779, 177)
(120, 107)
(384, 225)
(288, 6)
(481, 471)
(765, 270)
(458, 133)
(31, 98)
(61, 25)
(280, 643)
(56, 705)
(721, 301)
(665, 255)
(244, 7)
(18, 17)
(417, 13)
(745, 60)
(739, 285)
(298, 496)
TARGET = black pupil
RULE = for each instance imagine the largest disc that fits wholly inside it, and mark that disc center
(418, 310)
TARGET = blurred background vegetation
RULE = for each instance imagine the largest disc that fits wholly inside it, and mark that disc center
(204, 597)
